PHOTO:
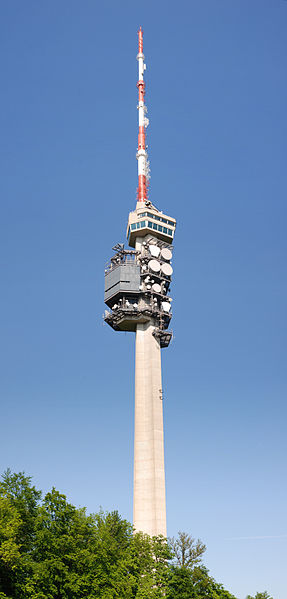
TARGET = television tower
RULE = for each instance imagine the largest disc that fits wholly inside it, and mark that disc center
(137, 283)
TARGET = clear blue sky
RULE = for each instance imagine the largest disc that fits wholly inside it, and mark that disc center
(216, 94)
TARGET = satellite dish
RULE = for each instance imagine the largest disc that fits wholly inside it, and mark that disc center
(166, 254)
(156, 288)
(148, 286)
(154, 250)
(165, 306)
(154, 265)
(166, 269)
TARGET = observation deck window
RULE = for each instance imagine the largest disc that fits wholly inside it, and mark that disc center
(138, 225)
(150, 225)
(156, 217)
(156, 227)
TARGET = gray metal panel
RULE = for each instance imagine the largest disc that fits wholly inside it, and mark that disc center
(123, 278)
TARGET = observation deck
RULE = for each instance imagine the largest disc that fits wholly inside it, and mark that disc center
(147, 219)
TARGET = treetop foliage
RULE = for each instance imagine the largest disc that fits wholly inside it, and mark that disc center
(187, 551)
(263, 595)
(49, 549)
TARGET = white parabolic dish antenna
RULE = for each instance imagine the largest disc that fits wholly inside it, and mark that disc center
(154, 265)
(156, 288)
(166, 269)
(166, 254)
(166, 306)
(154, 250)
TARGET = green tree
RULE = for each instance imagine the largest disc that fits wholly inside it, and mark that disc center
(195, 583)
(25, 498)
(21, 501)
(77, 555)
(180, 584)
(188, 578)
(148, 566)
(206, 586)
(263, 595)
(187, 551)
(112, 540)
(10, 554)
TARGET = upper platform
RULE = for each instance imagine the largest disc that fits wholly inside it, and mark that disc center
(147, 219)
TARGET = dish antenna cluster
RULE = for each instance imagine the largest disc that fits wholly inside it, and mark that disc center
(137, 285)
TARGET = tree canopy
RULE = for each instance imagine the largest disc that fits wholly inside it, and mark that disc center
(187, 551)
(49, 549)
(263, 595)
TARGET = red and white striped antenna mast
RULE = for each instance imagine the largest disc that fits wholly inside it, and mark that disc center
(142, 157)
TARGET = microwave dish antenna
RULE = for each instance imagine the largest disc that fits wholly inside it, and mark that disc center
(156, 288)
(166, 306)
(166, 269)
(166, 254)
(154, 265)
(154, 250)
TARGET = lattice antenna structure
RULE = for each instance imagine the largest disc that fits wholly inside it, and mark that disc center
(142, 157)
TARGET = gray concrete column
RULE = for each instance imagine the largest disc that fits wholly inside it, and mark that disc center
(149, 476)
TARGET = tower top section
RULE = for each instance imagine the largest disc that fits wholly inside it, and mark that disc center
(146, 219)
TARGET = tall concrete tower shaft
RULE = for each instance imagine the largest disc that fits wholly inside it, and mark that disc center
(137, 284)
(149, 513)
